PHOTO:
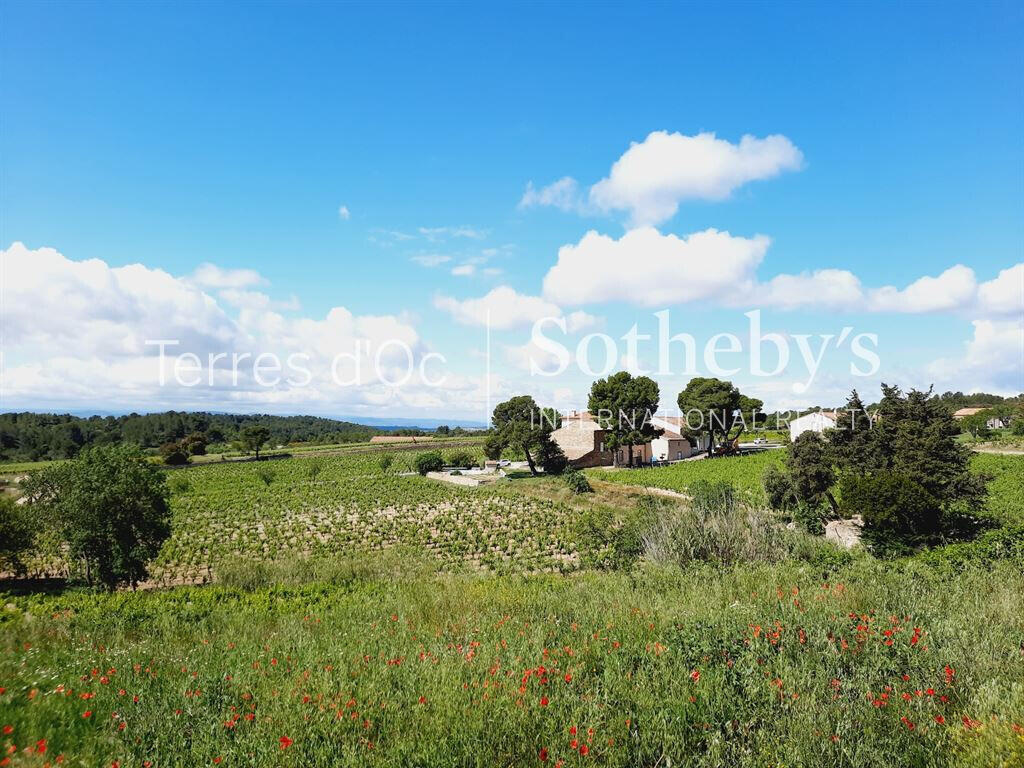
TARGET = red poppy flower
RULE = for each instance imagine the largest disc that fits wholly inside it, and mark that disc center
(87, 713)
(8, 729)
(584, 749)
(543, 701)
(543, 755)
(695, 675)
(41, 746)
(285, 742)
(940, 720)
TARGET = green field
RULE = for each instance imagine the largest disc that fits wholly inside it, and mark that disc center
(879, 666)
(367, 617)
(745, 472)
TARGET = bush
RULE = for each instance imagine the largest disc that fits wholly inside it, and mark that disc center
(810, 519)
(180, 484)
(175, 454)
(429, 462)
(778, 489)
(899, 515)
(266, 474)
(16, 535)
(385, 462)
(463, 459)
(613, 539)
(716, 529)
(577, 481)
(314, 468)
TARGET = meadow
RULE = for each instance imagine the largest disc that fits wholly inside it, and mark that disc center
(363, 616)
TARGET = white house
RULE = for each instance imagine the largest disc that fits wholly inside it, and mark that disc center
(818, 421)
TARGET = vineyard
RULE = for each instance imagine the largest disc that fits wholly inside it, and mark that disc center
(349, 504)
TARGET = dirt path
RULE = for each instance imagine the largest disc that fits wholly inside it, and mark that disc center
(1002, 451)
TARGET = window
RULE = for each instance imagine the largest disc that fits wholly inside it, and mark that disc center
(601, 449)
(679, 455)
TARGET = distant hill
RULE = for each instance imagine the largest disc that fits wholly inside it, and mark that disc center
(36, 436)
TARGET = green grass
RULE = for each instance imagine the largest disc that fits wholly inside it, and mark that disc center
(745, 472)
(751, 667)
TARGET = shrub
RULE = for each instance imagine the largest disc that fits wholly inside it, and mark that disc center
(613, 539)
(716, 529)
(175, 454)
(809, 518)
(429, 462)
(15, 533)
(899, 514)
(180, 484)
(266, 474)
(779, 489)
(314, 468)
(385, 462)
(463, 459)
(577, 481)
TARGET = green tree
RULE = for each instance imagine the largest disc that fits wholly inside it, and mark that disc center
(810, 471)
(16, 534)
(623, 406)
(110, 506)
(714, 408)
(851, 443)
(520, 423)
(910, 448)
(254, 437)
(976, 425)
(493, 446)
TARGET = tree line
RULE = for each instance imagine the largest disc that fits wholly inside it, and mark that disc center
(40, 436)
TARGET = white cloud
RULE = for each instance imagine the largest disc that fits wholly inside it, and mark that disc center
(953, 289)
(440, 233)
(579, 321)
(343, 213)
(430, 259)
(1004, 295)
(211, 276)
(992, 361)
(654, 176)
(75, 335)
(256, 300)
(563, 194)
(464, 270)
(503, 308)
(823, 288)
(648, 268)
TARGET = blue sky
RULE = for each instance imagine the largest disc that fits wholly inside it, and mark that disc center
(175, 135)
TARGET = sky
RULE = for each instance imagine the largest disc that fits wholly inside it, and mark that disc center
(303, 178)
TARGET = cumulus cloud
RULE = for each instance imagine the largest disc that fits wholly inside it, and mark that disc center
(343, 213)
(648, 268)
(992, 360)
(75, 334)
(822, 288)
(503, 308)
(654, 176)
(953, 289)
(1003, 295)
